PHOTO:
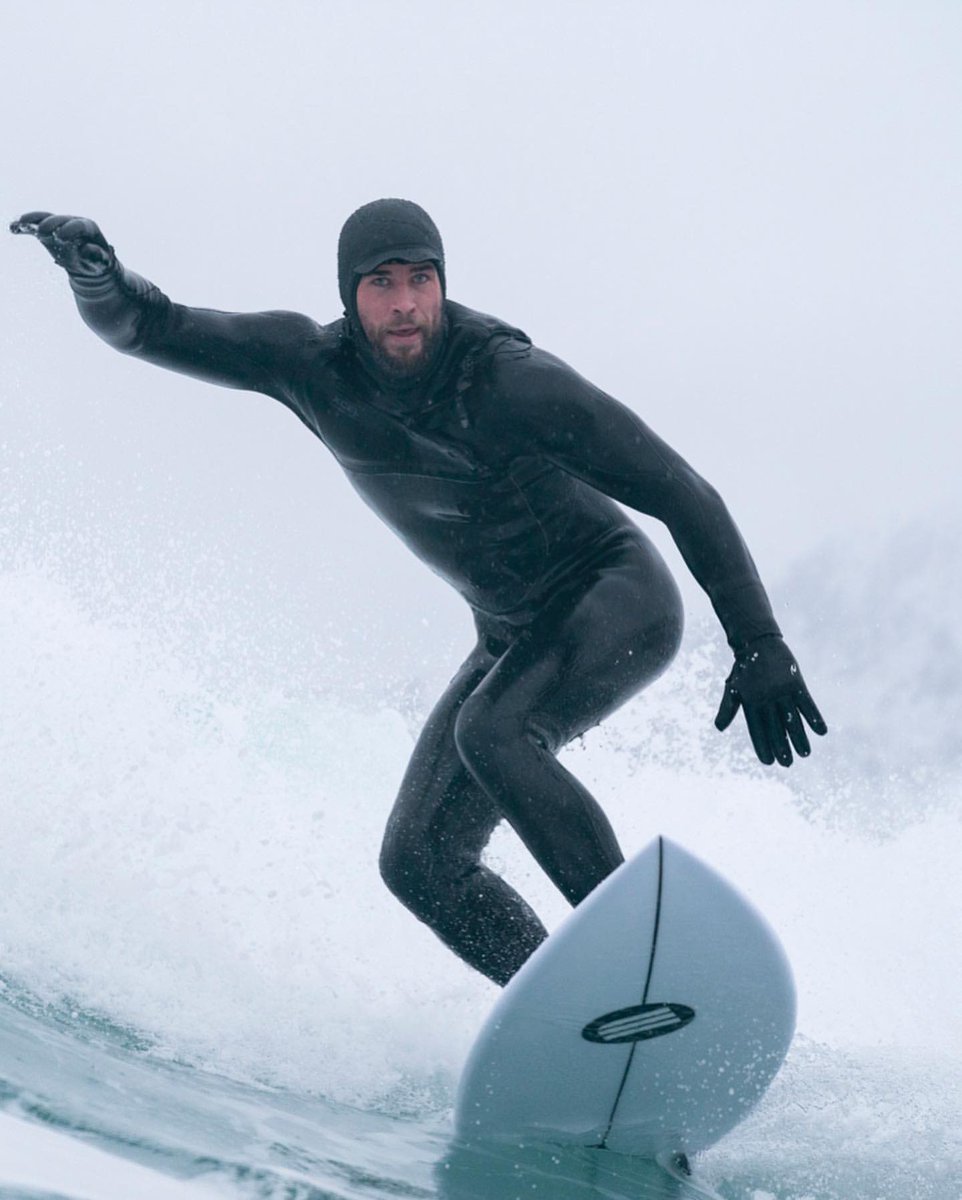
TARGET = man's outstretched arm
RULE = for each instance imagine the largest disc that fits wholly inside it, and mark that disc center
(240, 350)
(599, 440)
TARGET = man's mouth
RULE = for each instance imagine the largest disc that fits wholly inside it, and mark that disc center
(405, 349)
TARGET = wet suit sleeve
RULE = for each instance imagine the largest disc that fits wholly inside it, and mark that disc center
(594, 437)
(255, 351)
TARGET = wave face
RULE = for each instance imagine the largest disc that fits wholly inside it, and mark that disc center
(205, 981)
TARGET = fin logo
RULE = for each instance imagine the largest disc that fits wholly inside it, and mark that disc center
(638, 1023)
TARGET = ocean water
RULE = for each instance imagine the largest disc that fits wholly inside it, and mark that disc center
(206, 991)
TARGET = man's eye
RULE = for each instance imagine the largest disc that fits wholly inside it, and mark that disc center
(421, 277)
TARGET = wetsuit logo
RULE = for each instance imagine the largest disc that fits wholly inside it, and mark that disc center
(638, 1023)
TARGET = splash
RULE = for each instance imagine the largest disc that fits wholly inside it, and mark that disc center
(191, 838)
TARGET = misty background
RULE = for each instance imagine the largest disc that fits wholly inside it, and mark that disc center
(742, 220)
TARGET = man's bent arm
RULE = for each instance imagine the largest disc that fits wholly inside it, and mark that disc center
(592, 436)
(597, 439)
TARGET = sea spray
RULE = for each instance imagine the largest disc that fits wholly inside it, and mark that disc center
(190, 857)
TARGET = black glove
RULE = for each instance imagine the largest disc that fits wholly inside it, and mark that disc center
(74, 243)
(766, 682)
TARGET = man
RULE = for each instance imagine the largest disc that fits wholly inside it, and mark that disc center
(500, 467)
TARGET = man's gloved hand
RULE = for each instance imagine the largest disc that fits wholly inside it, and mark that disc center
(74, 243)
(766, 682)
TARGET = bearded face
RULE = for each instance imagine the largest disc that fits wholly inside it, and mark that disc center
(400, 307)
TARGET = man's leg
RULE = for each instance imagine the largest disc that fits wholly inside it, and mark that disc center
(431, 857)
(579, 661)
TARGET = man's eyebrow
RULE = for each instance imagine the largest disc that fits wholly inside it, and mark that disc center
(385, 268)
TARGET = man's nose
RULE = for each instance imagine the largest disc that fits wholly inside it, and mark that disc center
(404, 299)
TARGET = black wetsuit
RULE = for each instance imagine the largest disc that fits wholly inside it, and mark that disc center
(500, 468)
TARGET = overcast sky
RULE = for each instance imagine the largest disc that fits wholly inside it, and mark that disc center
(742, 219)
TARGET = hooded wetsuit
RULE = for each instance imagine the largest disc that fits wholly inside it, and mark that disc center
(500, 467)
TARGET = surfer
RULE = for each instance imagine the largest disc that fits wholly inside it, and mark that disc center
(500, 467)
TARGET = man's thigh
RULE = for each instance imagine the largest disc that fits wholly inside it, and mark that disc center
(440, 811)
(587, 653)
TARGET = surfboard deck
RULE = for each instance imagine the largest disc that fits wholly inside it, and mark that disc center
(650, 1022)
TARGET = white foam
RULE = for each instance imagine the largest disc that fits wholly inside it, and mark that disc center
(192, 834)
(202, 866)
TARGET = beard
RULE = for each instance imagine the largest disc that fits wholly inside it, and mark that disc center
(400, 368)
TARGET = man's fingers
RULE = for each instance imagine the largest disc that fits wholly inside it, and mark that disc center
(759, 735)
(792, 722)
(767, 684)
(67, 232)
(74, 243)
(806, 706)
(28, 223)
(777, 739)
(728, 708)
(46, 225)
(69, 229)
(51, 225)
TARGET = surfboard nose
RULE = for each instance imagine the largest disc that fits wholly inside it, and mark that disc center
(650, 1022)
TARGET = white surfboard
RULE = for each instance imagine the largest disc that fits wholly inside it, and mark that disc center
(649, 1023)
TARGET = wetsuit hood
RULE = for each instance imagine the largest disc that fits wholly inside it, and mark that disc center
(388, 230)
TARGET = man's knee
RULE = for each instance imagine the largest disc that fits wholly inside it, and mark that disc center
(426, 879)
(490, 740)
(662, 637)
(416, 871)
(661, 643)
(398, 867)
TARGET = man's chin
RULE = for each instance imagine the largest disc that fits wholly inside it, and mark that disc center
(406, 362)
(407, 358)
(399, 367)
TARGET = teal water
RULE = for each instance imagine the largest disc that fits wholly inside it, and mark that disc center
(91, 1110)
(75, 1085)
